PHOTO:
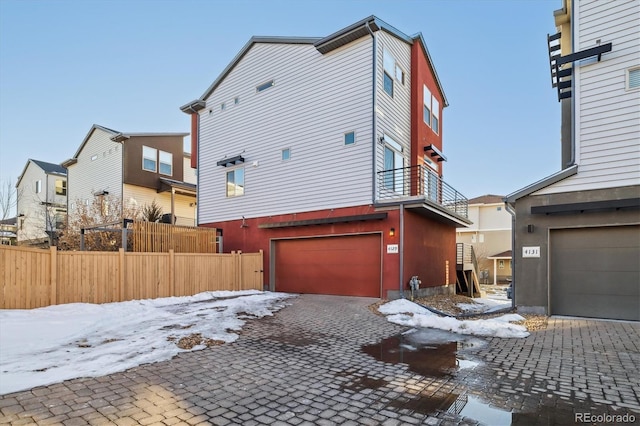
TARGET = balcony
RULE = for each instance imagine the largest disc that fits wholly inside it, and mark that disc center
(421, 188)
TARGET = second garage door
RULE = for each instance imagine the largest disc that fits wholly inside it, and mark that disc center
(341, 265)
(595, 272)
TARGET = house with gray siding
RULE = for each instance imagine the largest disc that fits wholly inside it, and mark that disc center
(577, 232)
(326, 153)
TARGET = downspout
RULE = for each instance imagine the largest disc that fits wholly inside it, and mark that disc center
(195, 144)
(374, 118)
(402, 250)
(512, 212)
(572, 160)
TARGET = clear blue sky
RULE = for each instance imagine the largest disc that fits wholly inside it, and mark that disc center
(129, 65)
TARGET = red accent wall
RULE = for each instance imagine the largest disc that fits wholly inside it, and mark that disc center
(427, 243)
(421, 134)
(194, 140)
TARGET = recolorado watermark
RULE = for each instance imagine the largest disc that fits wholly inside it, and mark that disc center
(604, 418)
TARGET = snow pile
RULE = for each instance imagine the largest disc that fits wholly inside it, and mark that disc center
(56, 343)
(484, 305)
(404, 312)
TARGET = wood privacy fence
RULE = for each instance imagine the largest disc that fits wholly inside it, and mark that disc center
(33, 278)
(162, 237)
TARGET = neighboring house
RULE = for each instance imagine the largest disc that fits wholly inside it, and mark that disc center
(577, 232)
(490, 237)
(326, 153)
(41, 193)
(8, 231)
(134, 169)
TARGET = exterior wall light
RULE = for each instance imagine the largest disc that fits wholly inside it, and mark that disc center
(392, 232)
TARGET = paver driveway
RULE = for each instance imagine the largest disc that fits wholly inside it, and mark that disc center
(329, 360)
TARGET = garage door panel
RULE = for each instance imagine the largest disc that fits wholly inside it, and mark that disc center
(342, 265)
(595, 272)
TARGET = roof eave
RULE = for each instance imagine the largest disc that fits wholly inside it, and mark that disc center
(425, 50)
(543, 183)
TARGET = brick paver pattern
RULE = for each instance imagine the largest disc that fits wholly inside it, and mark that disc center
(305, 366)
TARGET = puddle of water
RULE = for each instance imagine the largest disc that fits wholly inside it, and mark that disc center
(484, 413)
(364, 382)
(431, 353)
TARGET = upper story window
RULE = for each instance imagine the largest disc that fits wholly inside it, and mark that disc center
(286, 154)
(235, 182)
(388, 65)
(222, 106)
(61, 187)
(264, 86)
(350, 138)
(426, 99)
(633, 78)
(38, 186)
(94, 157)
(431, 112)
(149, 159)
(166, 163)
(236, 100)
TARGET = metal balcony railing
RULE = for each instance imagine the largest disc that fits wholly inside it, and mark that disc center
(420, 181)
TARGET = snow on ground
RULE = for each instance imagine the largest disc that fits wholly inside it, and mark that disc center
(485, 305)
(56, 343)
(399, 312)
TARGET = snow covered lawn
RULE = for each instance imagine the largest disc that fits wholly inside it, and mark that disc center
(410, 314)
(56, 343)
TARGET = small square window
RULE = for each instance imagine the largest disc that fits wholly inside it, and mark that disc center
(499, 208)
(236, 100)
(633, 78)
(264, 86)
(286, 154)
(399, 75)
(38, 186)
(94, 157)
(222, 106)
(349, 138)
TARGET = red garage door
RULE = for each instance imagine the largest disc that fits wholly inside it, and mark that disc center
(345, 265)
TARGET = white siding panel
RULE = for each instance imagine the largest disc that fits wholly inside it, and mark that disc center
(315, 100)
(393, 115)
(102, 174)
(30, 204)
(607, 117)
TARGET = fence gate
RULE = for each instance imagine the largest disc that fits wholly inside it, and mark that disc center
(252, 270)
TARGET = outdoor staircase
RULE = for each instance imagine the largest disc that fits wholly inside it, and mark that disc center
(467, 271)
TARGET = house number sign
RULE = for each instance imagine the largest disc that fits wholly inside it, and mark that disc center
(531, 251)
(392, 248)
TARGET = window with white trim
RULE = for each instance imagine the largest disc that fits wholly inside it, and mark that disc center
(166, 163)
(38, 186)
(61, 187)
(264, 86)
(393, 165)
(350, 138)
(426, 95)
(286, 154)
(235, 182)
(149, 159)
(435, 112)
(633, 78)
(388, 69)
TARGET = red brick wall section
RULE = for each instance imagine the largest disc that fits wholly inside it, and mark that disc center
(428, 245)
(421, 134)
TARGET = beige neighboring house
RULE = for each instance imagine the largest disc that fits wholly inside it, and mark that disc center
(490, 236)
(135, 169)
(8, 231)
(41, 193)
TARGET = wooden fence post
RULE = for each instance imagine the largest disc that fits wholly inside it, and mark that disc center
(121, 287)
(172, 273)
(54, 275)
(261, 269)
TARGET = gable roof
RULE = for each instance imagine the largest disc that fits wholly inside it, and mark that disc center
(324, 45)
(487, 199)
(74, 159)
(47, 168)
(542, 183)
